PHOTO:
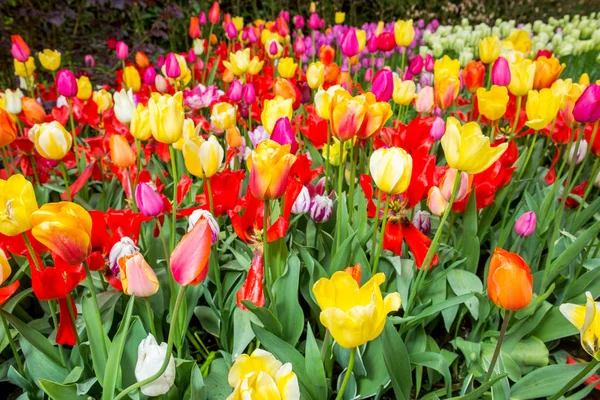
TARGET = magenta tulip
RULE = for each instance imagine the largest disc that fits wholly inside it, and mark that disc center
(66, 83)
(172, 68)
(122, 50)
(500, 72)
(349, 46)
(284, 134)
(383, 85)
(587, 107)
(148, 200)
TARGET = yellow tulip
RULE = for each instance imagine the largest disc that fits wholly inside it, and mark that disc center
(587, 320)
(518, 40)
(287, 67)
(203, 158)
(584, 79)
(541, 107)
(50, 59)
(404, 33)
(103, 100)
(269, 165)
(521, 77)
(189, 132)
(561, 88)
(84, 88)
(140, 123)
(255, 65)
(315, 74)
(379, 28)
(354, 315)
(378, 113)
(131, 79)
(25, 69)
(166, 117)
(275, 109)
(323, 100)
(262, 376)
(391, 169)
(489, 49)
(444, 69)
(333, 153)
(340, 17)
(5, 269)
(17, 202)
(361, 36)
(222, 116)
(467, 149)
(52, 140)
(238, 62)
(404, 91)
(492, 103)
(238, 22)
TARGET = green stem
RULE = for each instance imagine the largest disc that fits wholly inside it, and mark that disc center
(165, 363)
(518, 112)
(266, 210)
(206, 72)
(13, 347)
(381, 236)
(210, 197)
(174, 217)
(351, 192)
(338, 225)
(327, 159)
(65, 175)
(589, 368)
(498, 346)
(340, 394)
(150, 316)
(73, 133)
(31, 252)
(375, 226)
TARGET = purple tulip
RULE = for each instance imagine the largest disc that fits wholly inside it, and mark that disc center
(235, 91)
(305, 92)
(587, 107)
(258, 135)
(500, 72)
(321, 209)
(525, 225)
(66, 83)
(437, 129)
(302, 203)
(172, 68)
(349, 46)
(148, 200)
(122, 50)
(149, 75)
(383, 85)
(422, 220)
(284, 134)
(249, 93)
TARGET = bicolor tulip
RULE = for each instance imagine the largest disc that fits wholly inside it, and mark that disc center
(521, 77)
(275, 109)
(52, 140)
(541, 107)
(509, 282)
(424, 100)
(492, 103)
(446, 91)
(269, 165)
(323, 100)
(203, 158)
(50, 59)
(445, 68)
(189, 259)
(222, 116)
(137, 276)
(391, 169)
(347, 116)
(17, 202)
(404, 33)
(378, 113)
(19, 49)
(586, 318)
(166, 117)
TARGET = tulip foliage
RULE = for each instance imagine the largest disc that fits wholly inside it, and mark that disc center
(295, 210)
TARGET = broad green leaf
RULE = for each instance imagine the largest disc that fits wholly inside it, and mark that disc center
(341, 258)
(289, 312)
(397, 362)
(436, 362)
(136, 334)
(545, 381)
(314, 365)
(217, 387)
(242, 331)
(572, 251)
(266, 317)
(464, 282)
(38, 366)
(478, 393)
(197, 387)
(96, 336)
(58, 391)
(554, 326)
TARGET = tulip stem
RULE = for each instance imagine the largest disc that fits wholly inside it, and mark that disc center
(498, 345)
(206, 72)
(375, 226)
(31, 252)
(55, 323)
(209, 196)
(381, 236)
(13, 347)
(73, 132)
(327, 159)
(266, 209)
(5, 161)
(165, 363)
(584, 373)
(90, 284)
(65, 175)
(338, 226)
(589, 187)
(351, 192)
(174, 172)
(340, 394)
(73, 318)
(150, 316)
(516, 121)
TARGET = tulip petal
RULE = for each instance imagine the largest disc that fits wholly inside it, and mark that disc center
(189, 260)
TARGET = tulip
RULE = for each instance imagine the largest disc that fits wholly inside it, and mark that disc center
(261, 373)
(438, 129)
(124, 105)
(50, 59)
(347, 117)
(52, 140)
(340, 17)
(19, 49)
(123, 248)
(166, 117)
(489, 49)
(89, 60)
(378, 113)
(321, 209)
(404, 32)
(584, 79)
(404, 91)
(204, 215)
(269, 166)
(444, 69)
(386, 41)
(214, 14)
(137, 277)
(416, 65)
(132, 79)
(436, 202)
(372, 43)
(577, 152)
(587, 106)
(252, 288)
(194, 29)
(302, 203)
(25, 69)
(467, 149)
(284, 134)
(172, 66)
(424, 100)
(369, 75)
(518, 40)
(391, 169)
(5, 269)
(541, 107)
(547, 71)
(521, 77)
(349, 44)
(122, 50)
(315, 74)
(65, 229)
(17, 202)
(202, 18)
(258, 135)
(509, 282)
(222, 116)
(249, 93)
(8, 129)
(333, 153)
(585, 319)
(12, 101)
(525, 224)
(422, 220)
(429, 63)
(121, 153)
(238, 62)
(501, 75)
(148, 200)
(326, 54)
(473, 76)
(235, 91)
(151, 356)
(203, 158)
(140, 123)
(323, 99)
(275, 109)
(492, 103)
(103, 100)
(361, 36)
(66, 83)
(84, 88)
(273, 49)
(149, 76)
(383, 85)
(354, 315)
(299, 46)
(230, 30)
(287, 67)
(189, 259)
(446, 91)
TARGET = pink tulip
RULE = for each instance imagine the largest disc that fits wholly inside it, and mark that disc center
(299, 46)
(249, 94)
(368, 74)
(526, 223)
(191, 56)
(284, 134)
(122, 50)
(416, 65)
(437, 129)
(149, 75)
(587, 107)
(202, 18)
(429, 63)
(424, 100)
(383, 85)
(137, 277)
(230, 30)
(172, 68)
(235, 91)
(89, 60)
(349, 46)
(148, 200)
(252, 36)
(313, 21)
(189, 259)
(500, 72)
(19, 53)
(273, 49)
(372, 43)
(66, 83)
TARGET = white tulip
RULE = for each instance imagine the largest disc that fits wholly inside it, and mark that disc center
(124, 105)
(150, 358)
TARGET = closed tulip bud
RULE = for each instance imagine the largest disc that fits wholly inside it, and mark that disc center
(132, 79)
(160, 61)
(19, 49)
(424, 100)
(122, 50)
(422, 220)
(172, 66)
(141, 59)
(587, 106)
(287, 67)
(166, 117)
(416, 65)
(509, 282)
(214, 14)
(89, 60)
(222, 116)
(140, 123)
(372, 43)
(202, 18)
(204, 215)
(84, 88)
(584, 79)
(52, 140)
(547, 71)
(429, 63)
(121, 153)
(230, 30)
(298, 21)
(315, 75)
(50, 59)
(123, 248)
(501, 75)
(12, 101)
(391, 169)
(275, 109)
(17, 202)
(577, 152)
(492, 103)
(66, 83)
(473, 76)
(448, 181)
(349, 45)
(269, 166)
(467, 149)
(525, 225)
(361, 36)
(340, 17)
(137, 277)
(203, 158)
(189, 259)
(150, 358)
(235, 91)
(489, 49)
(404, 91)
(321, 209)
(438, 128)
(249, 93)
(65, 229)
(404, 32)
(302, 203)
(383, 85)
(541, 107)
(284, 134)
(299, 46)
(149, 76)
(103, 100)
(8, 129)
(148, 200)
(124, 105)
(194, 29)
(161, 83)
(386, 41)
(354, 315)
(521, 77)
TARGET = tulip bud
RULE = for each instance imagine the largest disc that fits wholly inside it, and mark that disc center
(581, 149)
(500, 72)
(52, 140)
(202, 18)
(161, 84)
(230, 30)
(66, 83)
(587, 106)
(12, 101)
(235, 91)
(173, 70)
(212, 222)
(284, 134)
(509, 283)
(383, 85)
(302, 203)
(214, 14)
(422, 220)
(525, 225)
(149, 76)
(150, 358)
(19, 53)
(148, 200)
(122, 50)
(349, 45)
(429, 63)
(424, 100)
(273, 49)
(249, 93)
(124, 105)
(386, 41)
(372, 43)
(321, 209)
(121, 153)
(391, 169)
(89, 60)
(298, 21)
(436, 201)
(437, 129)
(191, 56)
(252, 36)
(416, 65)
(160, 62)
(305, 92)
(299, 46)
(124, 247)
(368, 74)
(194, 29)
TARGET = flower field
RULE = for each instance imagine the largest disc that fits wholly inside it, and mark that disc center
(299, 208)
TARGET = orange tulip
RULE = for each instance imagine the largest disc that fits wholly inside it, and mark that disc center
(326, 54)
(473, 76)
(332, 73)
(121, 153)
(234, 138)
(375, 118)
(446, 92)
(547, 71)
(269, 166)
(8, 129)
(284, 88)
(33, 111)
(509, 283)
(141, 59)
(347, 116)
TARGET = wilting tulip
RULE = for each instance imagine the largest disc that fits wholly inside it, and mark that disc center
(214, 14)
(203, 158)
(473, 76)
(509, 282)
(166, 117)
(354, 315)
(275, 109)
(587, 106)
(189, 259)
(349, 44)
(492, 103)
(12, 101)
(391, 169)
(262, 373)
(121, 153)
(467, 149)
(19, 49)
(547, 71)
(222, 116)
(84, 88)
(122, 50)
(269, 166)
(17, 202)
(172, 69)
(383, 85)
(205, 215)
(525, 224)
(66, 83)
(284, 134)
(404, 32)
(404, 91)
(489, 49)
(148, 200)
(424, 100)
(541, 107)
(124, 105)
(137, 276)
(52, 140)
(321, 209)
(252, 288)
(8, 129)
(501, 75)
(50, 59)
(124, 247)
(140, 123)
(132, 79)
(347, 116)
(438, 128)
(65, 229)
(235, 91)
(150, 358)
(521, 77)
(141, 59)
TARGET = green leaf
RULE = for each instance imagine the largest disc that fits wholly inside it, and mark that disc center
(58, 391)
(573, 250)
(217, 386)
(436, 362)
(397, 362)
(554, 326)
(464, 282)
(208, 319)
(545, 381)
(136, 334)
(242, 331)
(266, 317)
(39, 366)
(314, 365)
(433, 309)
(470, 242)
(197, 387)
(96, 336)
(343, 255)
(113, 364)
(287, 306)
(478, 393)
